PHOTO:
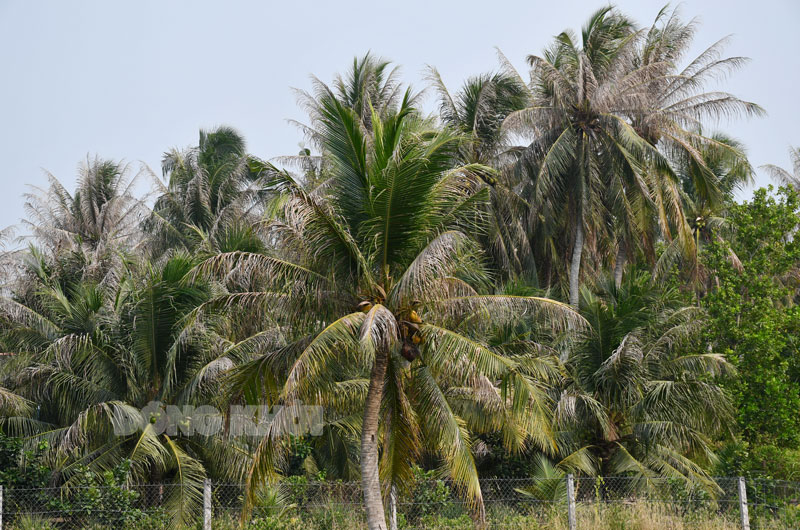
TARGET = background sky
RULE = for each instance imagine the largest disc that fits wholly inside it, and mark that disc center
(129, 80)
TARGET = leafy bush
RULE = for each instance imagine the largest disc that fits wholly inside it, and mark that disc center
(754, 322)
(758, 461)
(429, 495)
(20, 467)
(296, 488)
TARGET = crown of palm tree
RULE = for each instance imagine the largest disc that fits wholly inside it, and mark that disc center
(95, 225)
(641, 394)
(210, 189)
(92, 357)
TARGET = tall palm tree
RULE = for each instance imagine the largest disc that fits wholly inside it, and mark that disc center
(782, 175)
(95, 225)
(673, 119)
(631, 77)
(583, 147)
(372, 271)
(208, 187)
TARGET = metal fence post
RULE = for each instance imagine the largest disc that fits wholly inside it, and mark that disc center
(571, 502)
(743, 505)
(206, 504)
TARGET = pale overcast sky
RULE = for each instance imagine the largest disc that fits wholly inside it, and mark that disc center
(128, 80)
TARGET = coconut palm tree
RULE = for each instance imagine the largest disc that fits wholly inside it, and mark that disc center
(628, 96)
(93, 226)
(376, 286)
(583, 147)
(93, 358)
(641, 393)
(208, 187)
(677, 106)
(724, 157)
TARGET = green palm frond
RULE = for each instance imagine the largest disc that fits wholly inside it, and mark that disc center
(185, 498)
(445, 433)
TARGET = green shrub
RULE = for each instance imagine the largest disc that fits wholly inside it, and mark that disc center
(296, 490)
(758, 461)
(429, 494)
(21, 467)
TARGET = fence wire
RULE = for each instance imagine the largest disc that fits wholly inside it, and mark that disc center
(600, 502)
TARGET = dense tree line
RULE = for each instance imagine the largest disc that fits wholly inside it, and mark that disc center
(548, 272)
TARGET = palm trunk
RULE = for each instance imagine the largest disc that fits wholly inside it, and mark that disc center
(370, 483)
(393, 509)
(575, 266)
(479, 515)
(577, 250)
(619, 265)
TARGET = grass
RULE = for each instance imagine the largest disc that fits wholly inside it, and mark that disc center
(619, 516)
(628, 516)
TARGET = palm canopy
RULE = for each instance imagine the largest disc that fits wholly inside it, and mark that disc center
(724, 157)
(679, 103)
(93, 356)
(586, 162)
(370, 86)
(377, 269)
(87, 231)
(477, 111)
(642, 392)
(210, 195)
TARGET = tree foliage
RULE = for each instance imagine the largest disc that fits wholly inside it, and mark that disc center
(592, 300)
(755, 314)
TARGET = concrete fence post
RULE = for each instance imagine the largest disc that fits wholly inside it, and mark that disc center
(206, 504)
(573, 524)
(743, 505)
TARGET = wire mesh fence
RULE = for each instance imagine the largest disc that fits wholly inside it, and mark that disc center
(596, 502)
